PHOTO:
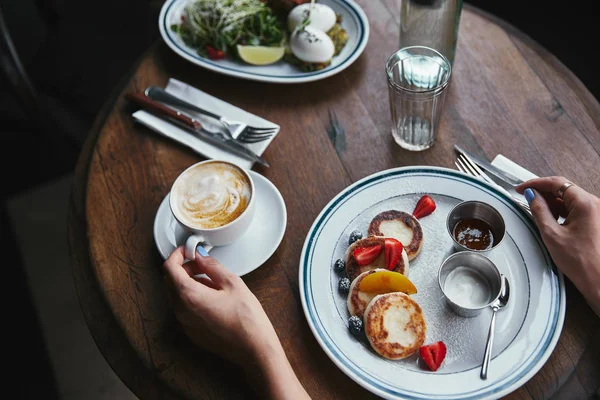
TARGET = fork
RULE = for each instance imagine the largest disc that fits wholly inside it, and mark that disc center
(236, 130)
(466, 165)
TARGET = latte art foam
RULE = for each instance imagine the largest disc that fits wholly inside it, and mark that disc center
(211, 195)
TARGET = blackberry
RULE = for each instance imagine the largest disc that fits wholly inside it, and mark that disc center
(355, 325)
(339, 266)
(354, 236)
(344, 285)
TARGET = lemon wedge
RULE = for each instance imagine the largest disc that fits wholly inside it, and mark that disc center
(260, 55)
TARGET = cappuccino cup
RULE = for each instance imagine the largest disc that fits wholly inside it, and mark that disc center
(214, 202)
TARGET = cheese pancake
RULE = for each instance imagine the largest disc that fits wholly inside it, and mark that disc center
(394, 325)
(401, 226)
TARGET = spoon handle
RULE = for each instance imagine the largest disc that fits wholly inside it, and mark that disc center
(487, 356)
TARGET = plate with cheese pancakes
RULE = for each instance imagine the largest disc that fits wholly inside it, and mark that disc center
(370, 292)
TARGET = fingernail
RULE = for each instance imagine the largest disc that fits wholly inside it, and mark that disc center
(202, 251)
(529, 195)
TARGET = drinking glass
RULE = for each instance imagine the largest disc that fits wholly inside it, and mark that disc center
(418, 77)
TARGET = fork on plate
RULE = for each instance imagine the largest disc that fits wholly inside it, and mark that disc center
(466, 165)
(236, 130)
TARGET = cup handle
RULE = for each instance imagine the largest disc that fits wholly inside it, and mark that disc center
(192, 243)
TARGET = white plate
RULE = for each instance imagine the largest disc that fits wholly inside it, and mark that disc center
(527, 329)
(354, 21)
(248, 252)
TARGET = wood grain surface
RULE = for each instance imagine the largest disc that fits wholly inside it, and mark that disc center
(508, 95)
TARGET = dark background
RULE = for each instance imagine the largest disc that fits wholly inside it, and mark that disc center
(76, 52)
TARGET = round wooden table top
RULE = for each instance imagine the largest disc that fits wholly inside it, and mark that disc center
(508, 95)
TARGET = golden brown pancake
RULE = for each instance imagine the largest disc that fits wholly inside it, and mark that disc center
(357, 300)
(352, 267)
(394, 325)
(401, 226)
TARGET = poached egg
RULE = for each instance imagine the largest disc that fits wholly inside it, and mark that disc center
(321, 17)
(312, 45)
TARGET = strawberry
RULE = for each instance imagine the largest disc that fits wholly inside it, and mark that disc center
(393, 252)
(433, 355)
(425, 206)
(366, 255)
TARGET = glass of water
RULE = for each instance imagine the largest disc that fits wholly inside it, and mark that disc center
(418, 77)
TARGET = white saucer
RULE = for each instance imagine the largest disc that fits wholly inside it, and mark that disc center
(252, 249)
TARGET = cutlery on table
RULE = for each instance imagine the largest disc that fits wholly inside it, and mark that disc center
(496, 305)
(192, 125)
(466, 165)
(235, 129)
(497, 172)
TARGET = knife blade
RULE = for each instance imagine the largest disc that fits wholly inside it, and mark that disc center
(192, 125)
(497, 172)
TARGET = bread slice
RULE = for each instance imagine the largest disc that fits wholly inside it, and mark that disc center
(352, 267)
(394, 325)
(401, 226)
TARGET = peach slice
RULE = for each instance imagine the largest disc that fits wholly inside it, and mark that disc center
(381, 282)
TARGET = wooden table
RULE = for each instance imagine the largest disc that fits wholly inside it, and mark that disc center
(508, 95)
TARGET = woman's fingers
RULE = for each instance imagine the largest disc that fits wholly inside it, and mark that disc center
(557, 206)
(551, 185)
(191, 268)
(208, 282)
(548, 184)
(174, 268)
(219, 275)
(177, 273)
(541, 212)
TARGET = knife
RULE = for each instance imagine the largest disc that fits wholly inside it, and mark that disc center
(190, 124)
(497, 172)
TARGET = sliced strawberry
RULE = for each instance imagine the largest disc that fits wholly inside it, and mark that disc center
(366, 255)
(393, 252)
(425, 206)
(433, 355)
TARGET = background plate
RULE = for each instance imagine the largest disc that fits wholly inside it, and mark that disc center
(354, 21)
(526, 330)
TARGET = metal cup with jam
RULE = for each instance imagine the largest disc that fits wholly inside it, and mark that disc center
(475, 226)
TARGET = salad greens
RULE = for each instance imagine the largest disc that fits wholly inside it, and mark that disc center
(217, 26)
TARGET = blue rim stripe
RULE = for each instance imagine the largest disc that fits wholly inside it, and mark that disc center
(195, 56)
(372, 381)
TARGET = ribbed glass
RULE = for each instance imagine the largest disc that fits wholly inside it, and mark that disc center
(418, 77)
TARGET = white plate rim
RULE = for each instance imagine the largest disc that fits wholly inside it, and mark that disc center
(541, 357)
(360, 16)
(268, 254)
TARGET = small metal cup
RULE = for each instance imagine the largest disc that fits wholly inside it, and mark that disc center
(478, 263)
(481, 211)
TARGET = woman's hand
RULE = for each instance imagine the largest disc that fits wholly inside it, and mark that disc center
(220, 314)
(575, 244)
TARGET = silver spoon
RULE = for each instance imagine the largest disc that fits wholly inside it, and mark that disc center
(496, 305)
